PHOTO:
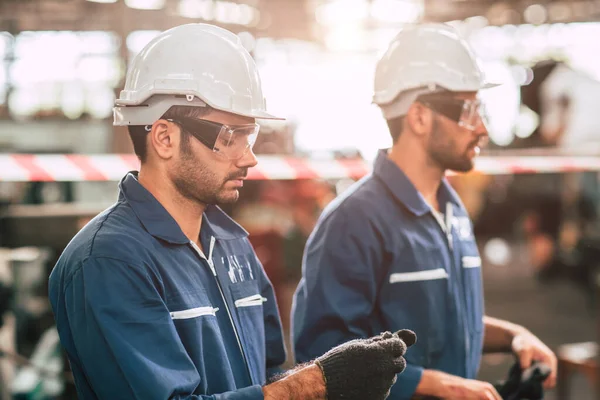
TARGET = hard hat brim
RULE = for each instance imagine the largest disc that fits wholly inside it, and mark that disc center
(260, 115)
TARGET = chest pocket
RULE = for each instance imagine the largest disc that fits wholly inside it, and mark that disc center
(248, 304)
(195, 319)
(190, 305)
(416, 298)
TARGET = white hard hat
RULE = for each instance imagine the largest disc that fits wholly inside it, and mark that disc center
(425, 58)
(194, 65)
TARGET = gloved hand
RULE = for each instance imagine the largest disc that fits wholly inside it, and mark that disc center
(365, 368)
(524, 384)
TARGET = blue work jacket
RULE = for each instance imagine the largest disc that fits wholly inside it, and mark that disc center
(144, 313)
(380, 259)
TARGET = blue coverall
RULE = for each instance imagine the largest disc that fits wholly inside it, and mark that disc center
(380, 259)
(143, 313)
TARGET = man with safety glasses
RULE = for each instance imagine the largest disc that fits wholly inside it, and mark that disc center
(397, 249)
(162, 296)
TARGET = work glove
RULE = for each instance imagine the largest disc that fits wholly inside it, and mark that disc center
(524, 384)
(365, 368)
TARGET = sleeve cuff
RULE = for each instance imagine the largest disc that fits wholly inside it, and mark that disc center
(407, 383)
(249, 393)
(273, 372)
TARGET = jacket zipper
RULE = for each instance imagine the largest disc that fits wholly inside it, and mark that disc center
(447, 230)
(449, 217)
(209, 260)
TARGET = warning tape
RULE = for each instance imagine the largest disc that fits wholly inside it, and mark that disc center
(112, 167)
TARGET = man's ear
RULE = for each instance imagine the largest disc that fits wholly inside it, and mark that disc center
(419, 119)
(163, 139)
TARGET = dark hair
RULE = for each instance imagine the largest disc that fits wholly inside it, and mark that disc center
(139, 133)
(395, 125)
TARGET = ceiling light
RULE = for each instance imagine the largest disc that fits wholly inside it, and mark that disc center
(145, 4)
(399, 11)
(342, 12)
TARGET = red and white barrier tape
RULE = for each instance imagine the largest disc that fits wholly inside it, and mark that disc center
(112, 167)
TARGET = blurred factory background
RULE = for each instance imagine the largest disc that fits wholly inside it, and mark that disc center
(534, 198)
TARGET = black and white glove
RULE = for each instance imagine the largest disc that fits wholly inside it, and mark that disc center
(365, 368)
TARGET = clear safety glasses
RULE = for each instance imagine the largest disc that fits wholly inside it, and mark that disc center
(231, 142)
(468, 114)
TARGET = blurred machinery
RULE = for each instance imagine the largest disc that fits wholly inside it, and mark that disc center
(27, 327)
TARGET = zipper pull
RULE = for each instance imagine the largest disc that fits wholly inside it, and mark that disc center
(211, 264)
(449, 218)
(211, 247)
(212, 267)
(201, 254)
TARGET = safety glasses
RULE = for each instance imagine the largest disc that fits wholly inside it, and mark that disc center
(231, 142)
(468, 114)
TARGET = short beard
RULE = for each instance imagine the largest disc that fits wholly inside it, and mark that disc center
(441, 151)
(197, 183)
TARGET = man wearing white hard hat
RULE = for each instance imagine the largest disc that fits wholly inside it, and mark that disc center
(162, 296)
(397, 249)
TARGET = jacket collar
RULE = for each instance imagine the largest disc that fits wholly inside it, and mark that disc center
(160, 224)
(403, 189)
